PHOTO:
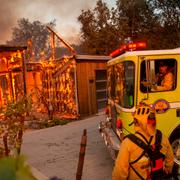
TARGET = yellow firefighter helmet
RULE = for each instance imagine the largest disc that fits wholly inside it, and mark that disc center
(145, 118)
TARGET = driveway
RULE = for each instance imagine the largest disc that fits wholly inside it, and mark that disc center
(55, 151)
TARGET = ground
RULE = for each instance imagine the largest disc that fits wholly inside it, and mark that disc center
(55, 151)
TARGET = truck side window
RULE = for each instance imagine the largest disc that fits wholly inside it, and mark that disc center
(124, 84)
(110, 82)
(119, 83)
(159, 76)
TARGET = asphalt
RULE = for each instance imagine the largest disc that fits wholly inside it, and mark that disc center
(55, 151)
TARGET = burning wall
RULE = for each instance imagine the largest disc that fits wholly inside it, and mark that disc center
(11, 74)
(59, 86)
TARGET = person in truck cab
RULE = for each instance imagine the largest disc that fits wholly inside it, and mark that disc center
(147, 154)
(165, 78)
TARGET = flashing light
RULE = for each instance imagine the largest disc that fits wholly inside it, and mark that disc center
(137, 45)
(119, 51)
(119, 124)
(129, 47)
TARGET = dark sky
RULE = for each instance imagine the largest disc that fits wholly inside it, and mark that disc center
(64, 11)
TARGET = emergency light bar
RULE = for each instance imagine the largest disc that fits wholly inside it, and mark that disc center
(129, 47)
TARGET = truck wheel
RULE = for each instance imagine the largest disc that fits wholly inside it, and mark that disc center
(175, 143)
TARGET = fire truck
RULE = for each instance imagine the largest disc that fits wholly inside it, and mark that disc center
(132, 79)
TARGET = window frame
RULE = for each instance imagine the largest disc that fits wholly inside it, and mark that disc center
(155, 61)
(125, 80)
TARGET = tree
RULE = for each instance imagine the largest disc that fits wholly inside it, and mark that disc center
(168, 13)
(98, 33)
(156, 21)
(136, 20)
(103, 30)
(35, 32)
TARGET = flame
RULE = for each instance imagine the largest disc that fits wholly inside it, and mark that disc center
(8, 63)
(60, 89)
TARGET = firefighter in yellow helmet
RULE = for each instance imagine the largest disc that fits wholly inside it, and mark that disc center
(147, 154)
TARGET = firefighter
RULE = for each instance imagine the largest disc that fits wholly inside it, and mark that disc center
(165, 78)
(134, 161)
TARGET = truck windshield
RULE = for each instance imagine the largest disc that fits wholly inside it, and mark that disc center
(121, 83)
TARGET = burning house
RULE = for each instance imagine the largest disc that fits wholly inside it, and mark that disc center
(12, 74)
(70, 85)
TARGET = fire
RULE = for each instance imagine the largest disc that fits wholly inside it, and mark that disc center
(58, 86)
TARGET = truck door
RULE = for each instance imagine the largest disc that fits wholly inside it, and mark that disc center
(160, 89)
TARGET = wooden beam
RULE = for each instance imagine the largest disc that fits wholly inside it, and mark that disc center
(66, 44)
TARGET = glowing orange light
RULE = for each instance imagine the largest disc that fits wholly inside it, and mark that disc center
(118, 51)
(137, 45)
(129, 47)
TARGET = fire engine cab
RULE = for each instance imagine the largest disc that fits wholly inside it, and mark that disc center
(134, 76)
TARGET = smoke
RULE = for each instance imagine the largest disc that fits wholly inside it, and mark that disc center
(64, 11)
(7, 18)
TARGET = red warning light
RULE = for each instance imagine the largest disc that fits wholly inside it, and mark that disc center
(139, 45)
(119, 124)
(119, 51)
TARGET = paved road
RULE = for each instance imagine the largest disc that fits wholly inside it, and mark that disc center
(55, 151)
